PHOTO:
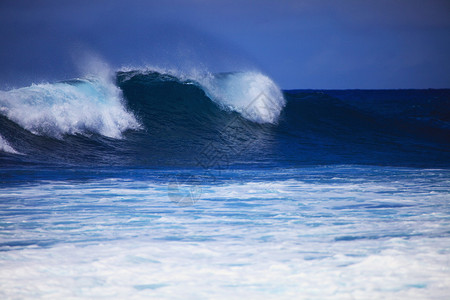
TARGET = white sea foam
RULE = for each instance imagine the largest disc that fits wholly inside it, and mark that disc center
(282, 239)
(136, 269)
(90, 105)
(4, 146)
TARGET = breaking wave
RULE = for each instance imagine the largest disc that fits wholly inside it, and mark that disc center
(80, 106)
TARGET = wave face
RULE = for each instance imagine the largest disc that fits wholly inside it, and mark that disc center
(253, 95)
(162, 118)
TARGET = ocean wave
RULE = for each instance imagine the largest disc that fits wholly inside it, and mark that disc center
(252, 94)
(80, 106)
(155, 117)
(95, 104)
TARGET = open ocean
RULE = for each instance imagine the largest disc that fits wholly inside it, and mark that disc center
(157, 184)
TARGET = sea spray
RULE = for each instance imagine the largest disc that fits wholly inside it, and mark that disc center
(80, 106)
(6, 147)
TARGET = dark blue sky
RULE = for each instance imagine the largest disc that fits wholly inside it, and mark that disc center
(300, 44)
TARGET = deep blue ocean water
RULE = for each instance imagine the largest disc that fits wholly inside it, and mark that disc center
(157, 184)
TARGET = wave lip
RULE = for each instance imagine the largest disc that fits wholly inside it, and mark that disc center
(79, 106)
(255, 96)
